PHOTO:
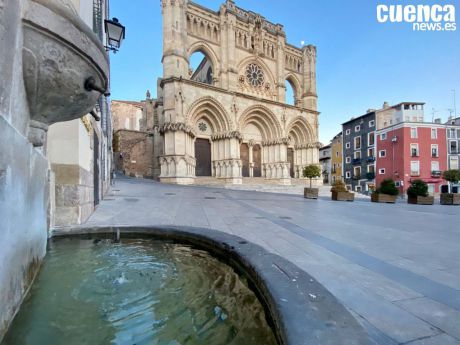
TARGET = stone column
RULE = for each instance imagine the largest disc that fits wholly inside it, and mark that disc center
(178, 162)
(251, 158)
(309, 96)
(275, 164)
(281, 86)
(227, 160)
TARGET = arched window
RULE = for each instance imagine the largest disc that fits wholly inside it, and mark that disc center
(290, 93)
(200, 68)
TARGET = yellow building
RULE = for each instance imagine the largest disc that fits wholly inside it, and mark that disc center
(336, 158)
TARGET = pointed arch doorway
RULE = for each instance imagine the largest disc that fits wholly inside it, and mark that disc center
(203, 157)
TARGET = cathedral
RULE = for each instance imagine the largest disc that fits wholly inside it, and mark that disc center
(229, 118)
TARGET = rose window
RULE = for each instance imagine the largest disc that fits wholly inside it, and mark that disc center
(255, 75)
(202, 126)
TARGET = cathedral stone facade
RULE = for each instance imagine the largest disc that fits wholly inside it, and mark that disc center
(230, 119)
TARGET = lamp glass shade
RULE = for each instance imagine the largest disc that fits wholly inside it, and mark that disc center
(115, 32)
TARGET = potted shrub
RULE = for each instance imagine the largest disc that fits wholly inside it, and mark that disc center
(311, 171)
(387, 192)
(451, 176)
(340, 192)
(417, 193)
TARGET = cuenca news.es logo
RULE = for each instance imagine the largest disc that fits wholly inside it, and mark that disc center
(422, 17)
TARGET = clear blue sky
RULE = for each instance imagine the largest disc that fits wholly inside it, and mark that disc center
(361, 63)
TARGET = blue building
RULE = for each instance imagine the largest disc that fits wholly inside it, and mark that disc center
(359, 152)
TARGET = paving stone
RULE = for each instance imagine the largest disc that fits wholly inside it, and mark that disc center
(439, 315)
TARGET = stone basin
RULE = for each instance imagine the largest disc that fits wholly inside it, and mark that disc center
(60, 52)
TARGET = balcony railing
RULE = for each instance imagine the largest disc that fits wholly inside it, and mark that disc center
(436, 173)
(370, 175)
(356, 177)
(370, 159)
(414, 154)
(356, 161)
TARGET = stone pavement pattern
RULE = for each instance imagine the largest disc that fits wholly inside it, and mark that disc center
(395, 267)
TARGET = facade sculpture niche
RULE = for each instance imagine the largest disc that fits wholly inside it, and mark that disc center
(233, 121)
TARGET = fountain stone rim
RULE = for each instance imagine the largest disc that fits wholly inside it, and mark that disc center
(300, 309)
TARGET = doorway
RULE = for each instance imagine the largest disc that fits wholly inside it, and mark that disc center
(290, 158)
(256, 156)
(203, 157)
(244, 155)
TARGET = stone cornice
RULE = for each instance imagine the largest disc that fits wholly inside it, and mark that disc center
(278, 141)
(177, 127)
(227, 135)
(312, 145)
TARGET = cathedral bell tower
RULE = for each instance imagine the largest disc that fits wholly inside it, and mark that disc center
(175, 59)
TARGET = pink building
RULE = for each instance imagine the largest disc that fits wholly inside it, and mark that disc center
(412, 150)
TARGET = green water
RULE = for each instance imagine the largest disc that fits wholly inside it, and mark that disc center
(137, 292)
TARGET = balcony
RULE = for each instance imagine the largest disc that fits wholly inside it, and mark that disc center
(370, 159)
(356, 177)
(356, 161)
(414, 154)
(370, 175)
(436, 173)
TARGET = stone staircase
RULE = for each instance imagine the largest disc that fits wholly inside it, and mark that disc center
(260, 184)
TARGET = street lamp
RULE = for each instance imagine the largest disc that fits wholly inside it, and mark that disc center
(115, 34)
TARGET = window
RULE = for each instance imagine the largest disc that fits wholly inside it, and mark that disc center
(357, 155)
(357, 141)
(357, 173)
(347, 145)
(382, 153)
(383, 136)
(370, 152)
(413, 133)
(370, 139)
(347, 132)
(453, 162)
(357, 128)
(358, 188)
(371, 168)
(337, 154)
(414, 150)
(434, 166)
(434, 133)
(348, 160)
(453, 147)
(434, 151)
(371, 123)
(414, 168)
(347, 174)
(398, 184)
(382, 171)
(451, 133)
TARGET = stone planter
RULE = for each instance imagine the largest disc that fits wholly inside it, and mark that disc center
(450, 199)
(383, 198)
(343, 196)
(310, 193)
(421, 200)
